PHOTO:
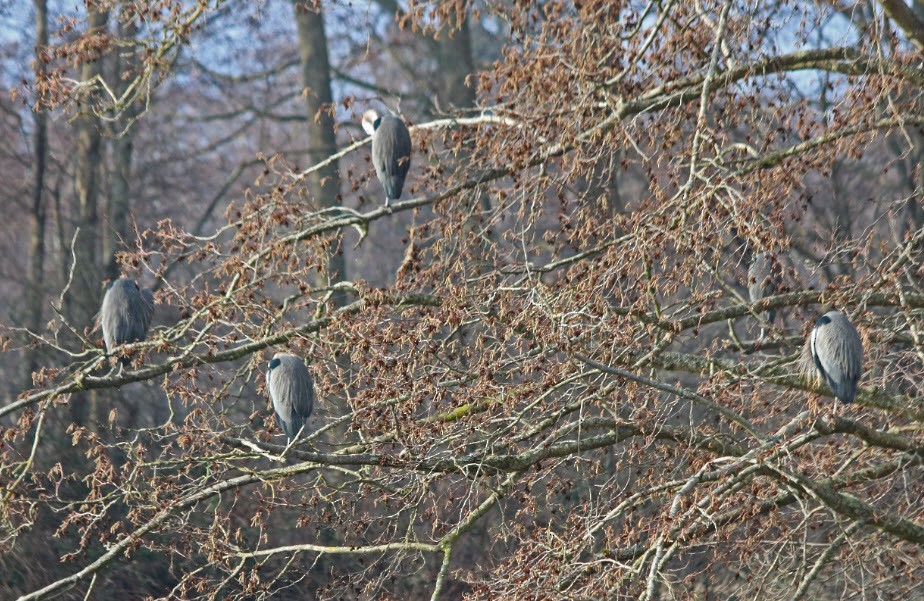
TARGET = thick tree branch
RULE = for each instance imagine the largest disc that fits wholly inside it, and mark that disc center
(909, 23)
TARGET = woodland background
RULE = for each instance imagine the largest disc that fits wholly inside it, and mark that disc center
(539, 375)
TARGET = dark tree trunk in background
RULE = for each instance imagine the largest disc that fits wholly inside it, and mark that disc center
(122, 148)
(34, 287)
(455, 63)
(324, 184)
(454, 57)
(85, 292)
(915, 211)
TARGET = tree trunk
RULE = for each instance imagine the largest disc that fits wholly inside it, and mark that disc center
(34, 289)
(454, 57)
(84, 297)
(324, 184)
(122, 147)
(455, 63)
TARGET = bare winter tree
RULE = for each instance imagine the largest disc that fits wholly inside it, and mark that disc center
(560, 393)
(36, 254)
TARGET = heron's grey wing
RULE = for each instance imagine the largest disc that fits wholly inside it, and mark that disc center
(279, 392)
(402, 148)
(853, 350)
(839, 356)
(292, 388)
(754, 290)
(114, 317)
(391, 155)
(302, 393)
(764, 277)
(305, 400)
(106, 321)
(286, 426)
(147, 308)
(137, 317)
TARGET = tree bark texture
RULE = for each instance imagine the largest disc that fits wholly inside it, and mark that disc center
(324, 184)
(454, 56)
(34, 288)
(119, 205)
(84, 298)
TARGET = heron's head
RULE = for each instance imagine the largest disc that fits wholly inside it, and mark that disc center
(371, 120)
(122, 283)
(274, 363)
(822, 321)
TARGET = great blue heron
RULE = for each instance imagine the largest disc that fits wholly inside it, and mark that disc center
(291, 390)
(391, 151)
(148, 296)
(126, 314)
(764, 279)
(837, 353)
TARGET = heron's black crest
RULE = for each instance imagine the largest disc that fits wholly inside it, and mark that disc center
(376, 123)
(822, 321)
(274, 363)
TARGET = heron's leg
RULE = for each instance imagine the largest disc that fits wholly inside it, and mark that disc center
(292, 442)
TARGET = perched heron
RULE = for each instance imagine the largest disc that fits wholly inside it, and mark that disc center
(291, 390)
(837, 353)
(391, 151)
(148, 296)
(126, 314)
(764, 280)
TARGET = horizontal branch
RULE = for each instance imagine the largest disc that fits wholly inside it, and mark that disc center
(779, 501)
(775, 158)
(906, 20)
(698, 364)
(853, 508)
(830, 424)
(130, 539)
(676, 391)
(342, 550)
(83, 381)
(468, 465)
(840, 59)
